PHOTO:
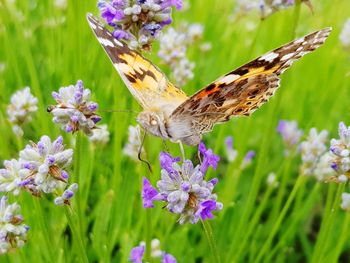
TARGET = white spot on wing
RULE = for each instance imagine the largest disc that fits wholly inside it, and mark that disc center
(229, 78)
(287, 56)
(269, 57)
(92, 25)
(105, 42)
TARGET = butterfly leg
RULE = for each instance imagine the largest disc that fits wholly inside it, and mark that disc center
(140, 151)
(182, 150)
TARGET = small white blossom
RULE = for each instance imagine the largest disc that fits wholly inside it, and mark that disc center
(290, 134)
(74, 110)
(100, 135)
(323, 169)
(46, 160)
(133, 145)
(173, 47)
(312, 149)
(271, 180)
(22, 105)
(66, 195)
(60, 4)
(340, 151)
(231, 153)
(12, 176)
(13, 232)
(345, 201)
(183, 72)
(345, 34)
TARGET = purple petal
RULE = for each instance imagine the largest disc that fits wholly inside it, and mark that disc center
(206, 208)
(166, 161)
(136, 254)
(168, 258)
(148, 193)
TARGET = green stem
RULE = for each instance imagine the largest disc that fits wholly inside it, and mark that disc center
(148, 235)
(280, 218)
(326, 225)
(71, 217)
(44, 229)
(297, 8)
(209, 234)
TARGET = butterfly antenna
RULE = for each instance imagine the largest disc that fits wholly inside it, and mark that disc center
(140, 151)
(126, 111)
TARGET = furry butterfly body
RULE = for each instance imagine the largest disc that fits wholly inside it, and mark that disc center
(170, 114)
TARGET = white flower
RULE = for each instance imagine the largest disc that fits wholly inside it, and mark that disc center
(323, 169)
(133, 145)
(271, 180)
(183, 72)
(345, 34)
(290, 134)
(23, 105)
(12, 230)
(66, 195)
(46, 160)
(312, 149)
(345, 201)
(60, 4)
(12, 176)
(100, 135)
(173, 47)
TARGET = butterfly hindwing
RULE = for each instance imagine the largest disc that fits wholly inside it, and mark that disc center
(145, 81)
(243, 90)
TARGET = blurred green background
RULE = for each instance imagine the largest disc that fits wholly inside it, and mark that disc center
(46, 47)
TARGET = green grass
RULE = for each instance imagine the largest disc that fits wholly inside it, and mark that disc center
(299, 221)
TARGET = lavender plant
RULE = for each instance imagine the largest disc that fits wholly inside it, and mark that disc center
(74, 110)
(138, 22)
(183, 188)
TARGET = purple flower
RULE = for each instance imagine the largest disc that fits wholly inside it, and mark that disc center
(184, 190)
(340, 153)
(148, 193)
(205, 209)
(74, 110)
(168, 258)
(167, 161)
(139, 22)
(290, 133)
(209, 158)
(136, 254)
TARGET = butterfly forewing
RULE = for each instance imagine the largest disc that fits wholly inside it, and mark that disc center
(145, 81)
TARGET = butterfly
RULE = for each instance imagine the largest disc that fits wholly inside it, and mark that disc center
(170, 114)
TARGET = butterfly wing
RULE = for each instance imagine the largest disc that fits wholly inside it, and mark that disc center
(144, 80)
(241, 91)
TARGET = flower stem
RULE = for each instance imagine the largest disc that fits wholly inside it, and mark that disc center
(209, 234)
(71, 217)
(148, 235)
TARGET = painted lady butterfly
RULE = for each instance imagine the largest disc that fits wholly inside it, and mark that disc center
(170, 114)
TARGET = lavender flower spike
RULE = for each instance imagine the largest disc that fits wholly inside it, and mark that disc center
(74, 110)
(20, 110)
(46, 161)
(13, 233)
(340, 154)
(138, 22)
(209, 158)
(290, 134)
(184, 190)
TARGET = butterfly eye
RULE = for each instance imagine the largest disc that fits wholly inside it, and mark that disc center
(154, 122)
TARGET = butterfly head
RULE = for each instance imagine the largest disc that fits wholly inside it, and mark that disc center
(153, 122)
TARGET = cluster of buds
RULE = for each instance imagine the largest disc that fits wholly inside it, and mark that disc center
(138, 22)
(74, 110)
(183, 188)
(20, 110)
